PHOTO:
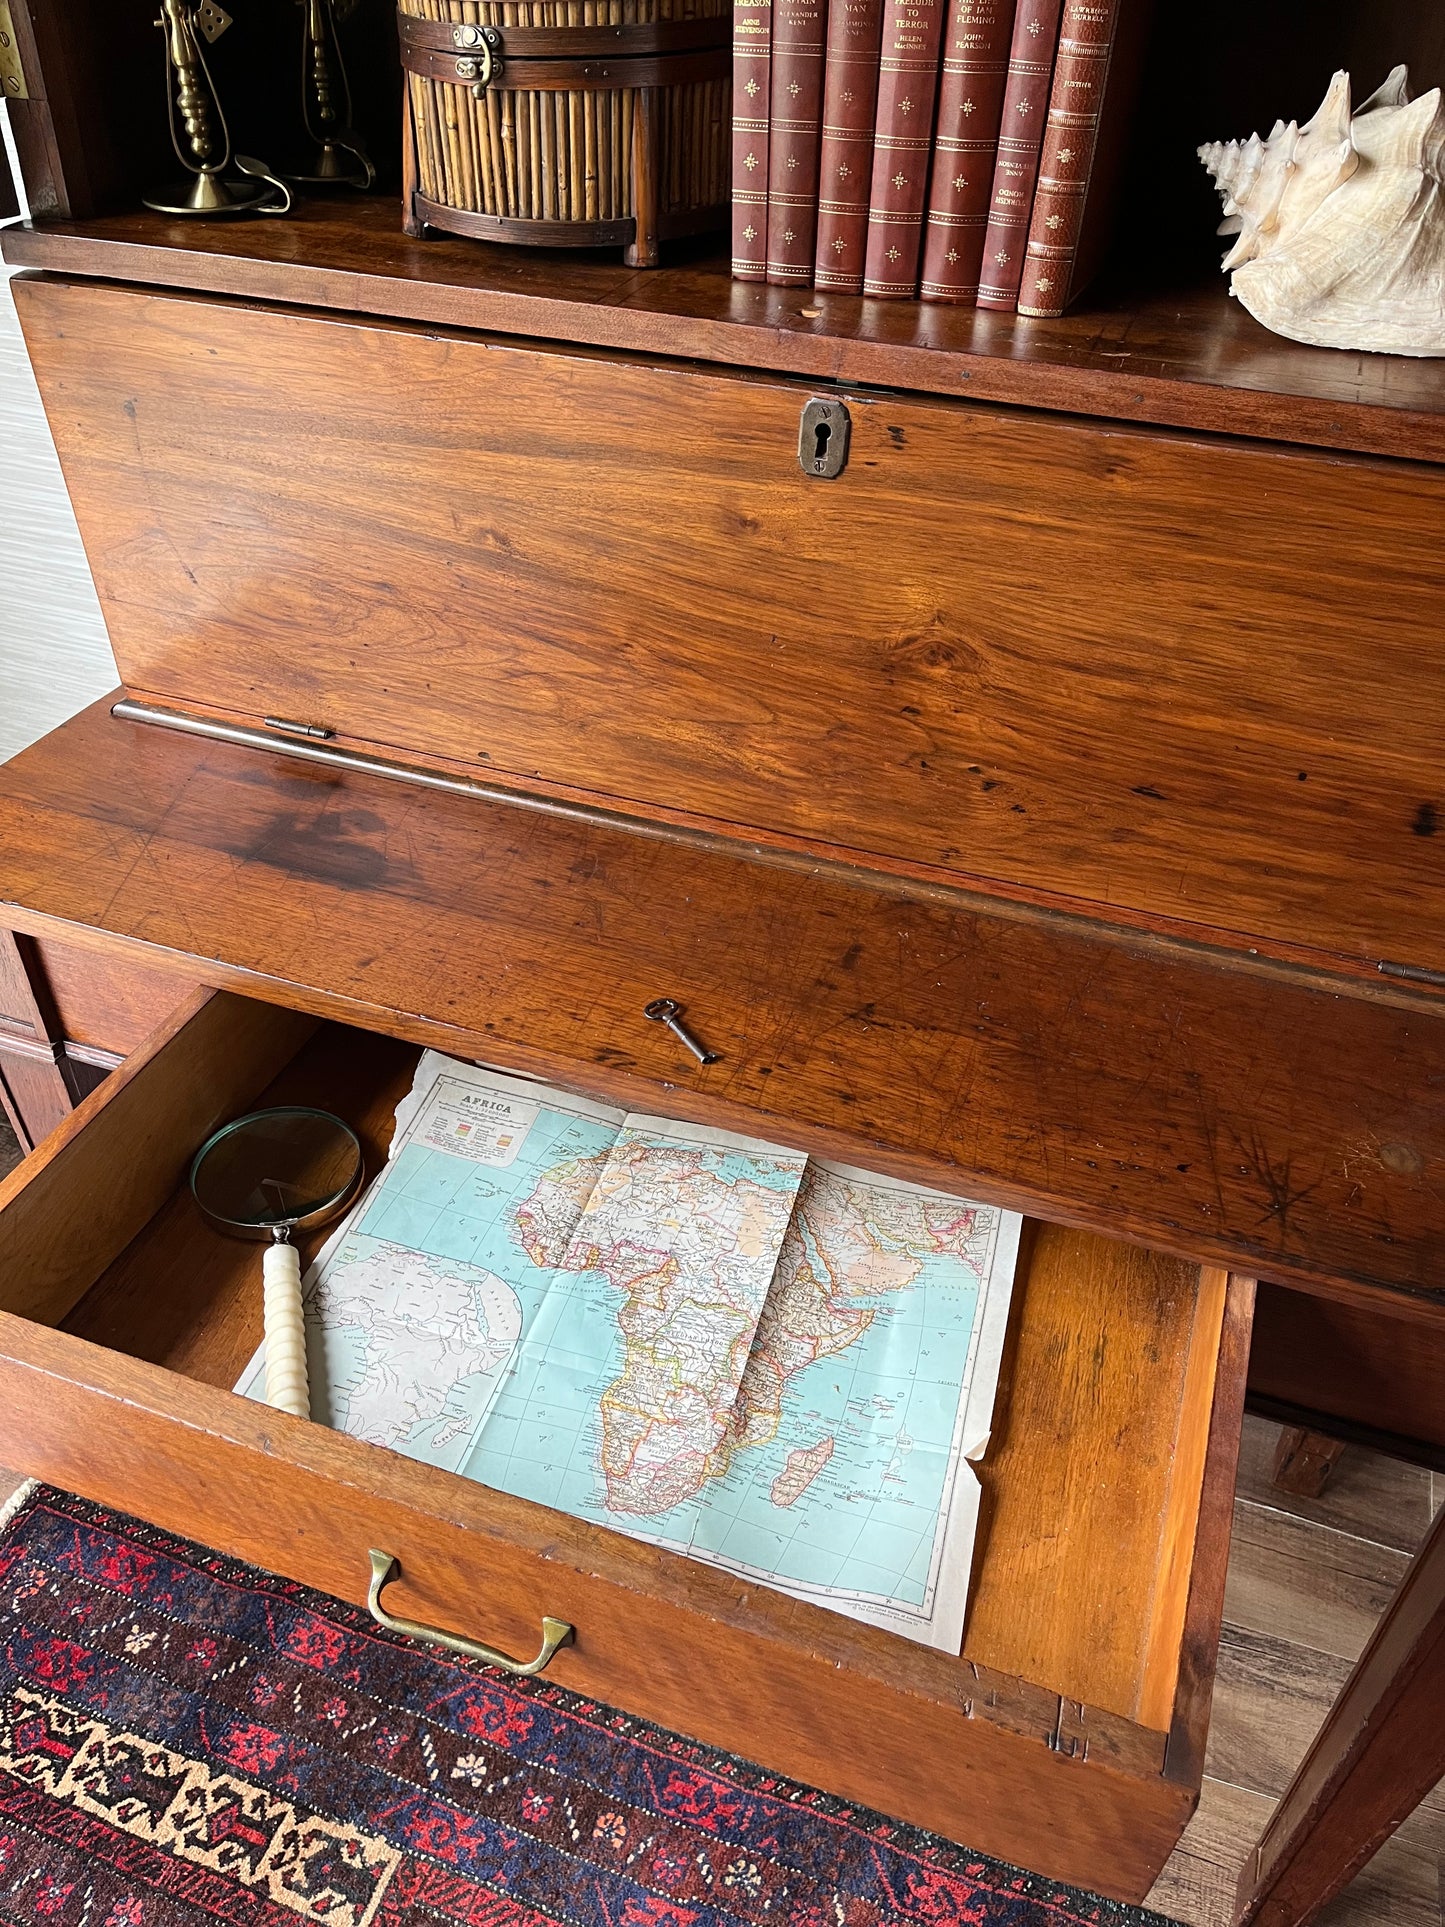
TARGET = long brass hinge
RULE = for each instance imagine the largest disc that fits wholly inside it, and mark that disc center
(12, 74)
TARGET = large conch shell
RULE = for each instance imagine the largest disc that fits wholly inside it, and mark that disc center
(1340, 224)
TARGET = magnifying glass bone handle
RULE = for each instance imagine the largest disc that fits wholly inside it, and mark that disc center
(286, 1386)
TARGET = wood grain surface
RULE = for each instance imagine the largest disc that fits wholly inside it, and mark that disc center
(1316, 1586)
(66, 1018)
(34, 1095)
(1193, 1572)
(1223, 1111)
(102, 1173)
(36, 1091)
(1271, 1693)
(53, 643)
(1400, 1887)
(1363, 1368)
(1105, 1347)
(1303, 1597)
(108, 1004)
(1177, 352)
(182, 1295)
(1154, 678)
(1049, 654)
(79, 133)
(1368, 1497)
(1304, 1461)
(1093, 1311)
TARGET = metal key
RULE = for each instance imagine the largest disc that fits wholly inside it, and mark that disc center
(662, 1010)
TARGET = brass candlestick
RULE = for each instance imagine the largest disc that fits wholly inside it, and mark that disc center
(199, 134)
(340, 158)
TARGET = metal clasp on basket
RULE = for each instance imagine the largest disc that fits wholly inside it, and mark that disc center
(483, 67)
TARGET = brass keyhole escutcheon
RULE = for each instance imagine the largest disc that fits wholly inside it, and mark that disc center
(823, 436)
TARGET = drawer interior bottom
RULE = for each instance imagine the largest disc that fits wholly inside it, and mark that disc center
(1091, 1483)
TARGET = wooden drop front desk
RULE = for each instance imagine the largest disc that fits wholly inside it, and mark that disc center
(1027, 811)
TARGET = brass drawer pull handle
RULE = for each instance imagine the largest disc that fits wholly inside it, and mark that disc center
(555, 1632)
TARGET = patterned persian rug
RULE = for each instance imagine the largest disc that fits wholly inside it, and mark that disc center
(186, 1741)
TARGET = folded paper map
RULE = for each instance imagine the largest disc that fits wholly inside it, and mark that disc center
(774, 1364)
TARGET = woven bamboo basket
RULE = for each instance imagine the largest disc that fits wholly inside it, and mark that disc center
(573, 123)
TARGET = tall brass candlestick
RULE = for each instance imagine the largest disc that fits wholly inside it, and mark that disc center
(199, 134)
(341, 157)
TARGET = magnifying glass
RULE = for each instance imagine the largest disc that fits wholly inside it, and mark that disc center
(266, 1176)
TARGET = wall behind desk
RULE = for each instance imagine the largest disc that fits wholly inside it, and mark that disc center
(54, 653)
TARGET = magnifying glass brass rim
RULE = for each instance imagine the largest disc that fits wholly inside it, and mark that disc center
(321, 1211)
(273, 1164)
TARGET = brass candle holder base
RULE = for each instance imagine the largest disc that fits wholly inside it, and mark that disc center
(258, 192)
(337, 163)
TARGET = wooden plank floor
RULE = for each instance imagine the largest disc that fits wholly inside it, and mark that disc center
(1308, 1578)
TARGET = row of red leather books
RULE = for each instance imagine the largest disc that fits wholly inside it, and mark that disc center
(954, 150)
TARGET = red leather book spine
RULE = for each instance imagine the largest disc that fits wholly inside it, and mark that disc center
(1021, 133)
(902, 138)
(965, 146)
(1086, 44)
(845, 159)
(752, 68)
(793, 138)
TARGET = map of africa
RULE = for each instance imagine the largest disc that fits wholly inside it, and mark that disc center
(770, 1363)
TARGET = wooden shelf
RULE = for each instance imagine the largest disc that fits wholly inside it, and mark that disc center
(1185, 356)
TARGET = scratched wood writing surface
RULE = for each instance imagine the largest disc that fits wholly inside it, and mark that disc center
(1191, 680)
(1217, 1109)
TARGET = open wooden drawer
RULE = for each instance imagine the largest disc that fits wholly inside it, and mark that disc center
(1083, 1689)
